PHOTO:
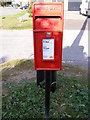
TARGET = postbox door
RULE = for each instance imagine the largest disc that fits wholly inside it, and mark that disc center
(50, 57)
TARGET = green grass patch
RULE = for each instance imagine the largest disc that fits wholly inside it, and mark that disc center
(12, 22)
(24, 100)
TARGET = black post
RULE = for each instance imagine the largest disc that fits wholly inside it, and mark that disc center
(47, 92)
(53, 80)
(40, 76)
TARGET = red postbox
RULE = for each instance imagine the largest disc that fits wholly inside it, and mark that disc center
(48, 34)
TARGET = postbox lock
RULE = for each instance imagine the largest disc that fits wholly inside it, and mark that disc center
(48, 34)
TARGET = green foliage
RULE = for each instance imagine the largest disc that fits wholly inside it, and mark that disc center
(23, 101)
(26, 100)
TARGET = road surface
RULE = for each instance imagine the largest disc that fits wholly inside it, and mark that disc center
(18, 44)
(4, 11)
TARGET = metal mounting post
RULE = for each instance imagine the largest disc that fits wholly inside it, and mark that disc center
(53, 80)
(40, 76)
(47, 92)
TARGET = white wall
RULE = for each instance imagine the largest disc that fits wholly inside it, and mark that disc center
(65, 4)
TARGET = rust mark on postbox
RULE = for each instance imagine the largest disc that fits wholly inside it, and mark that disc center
(48, 34)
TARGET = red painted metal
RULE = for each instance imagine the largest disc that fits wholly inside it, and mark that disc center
(48, 19)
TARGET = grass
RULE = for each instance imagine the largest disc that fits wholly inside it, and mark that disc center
(15, 68)
(18, 64)
(25, 100)
(12, 22)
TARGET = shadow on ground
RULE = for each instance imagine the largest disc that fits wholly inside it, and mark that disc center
(18, 70)
(74, 54)
(24, 69)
